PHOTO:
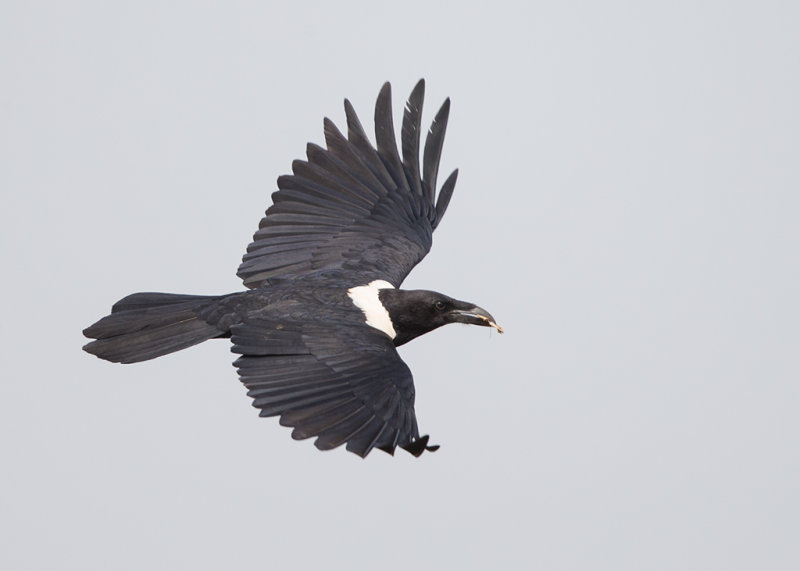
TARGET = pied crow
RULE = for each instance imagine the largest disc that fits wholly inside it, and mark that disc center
(318, 328)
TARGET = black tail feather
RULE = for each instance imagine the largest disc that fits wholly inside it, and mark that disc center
(147, 300)
(144, 326)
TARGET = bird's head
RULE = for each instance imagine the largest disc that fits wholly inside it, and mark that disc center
(416, 312)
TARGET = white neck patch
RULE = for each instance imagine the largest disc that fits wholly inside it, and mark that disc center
(366, 299)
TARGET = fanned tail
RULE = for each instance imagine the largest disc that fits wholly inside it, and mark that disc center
(144, 326)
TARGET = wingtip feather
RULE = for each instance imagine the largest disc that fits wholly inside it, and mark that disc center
(385, 137)
(410, 135)
(445, 194)
(433, 148)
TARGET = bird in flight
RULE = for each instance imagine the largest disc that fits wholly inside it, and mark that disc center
(317, 330)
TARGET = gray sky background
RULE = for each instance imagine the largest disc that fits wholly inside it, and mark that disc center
(627, 208)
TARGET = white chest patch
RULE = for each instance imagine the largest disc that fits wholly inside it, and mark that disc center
(366, 299)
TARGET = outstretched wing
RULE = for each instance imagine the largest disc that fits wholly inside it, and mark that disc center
(341, 385)
(352, 209)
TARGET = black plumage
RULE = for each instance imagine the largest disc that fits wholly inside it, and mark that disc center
(317, 331)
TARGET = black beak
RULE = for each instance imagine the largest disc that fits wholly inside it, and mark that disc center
(475, 316)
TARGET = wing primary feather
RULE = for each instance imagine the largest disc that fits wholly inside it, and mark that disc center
(409, 135)
(377, 437)
(363, 442)
(392, 444)
(384, 135)
(338, 172)
(347, 429)
(322, 422)
(444, 197)
(433, 149)
(362, 145)
(308, 183)
(275, 408)
(342, 174)
(345, 151)
(308, 416)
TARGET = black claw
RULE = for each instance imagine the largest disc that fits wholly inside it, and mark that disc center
(420, 445)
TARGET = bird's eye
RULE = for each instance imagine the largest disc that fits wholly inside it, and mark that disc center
(439, 305)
